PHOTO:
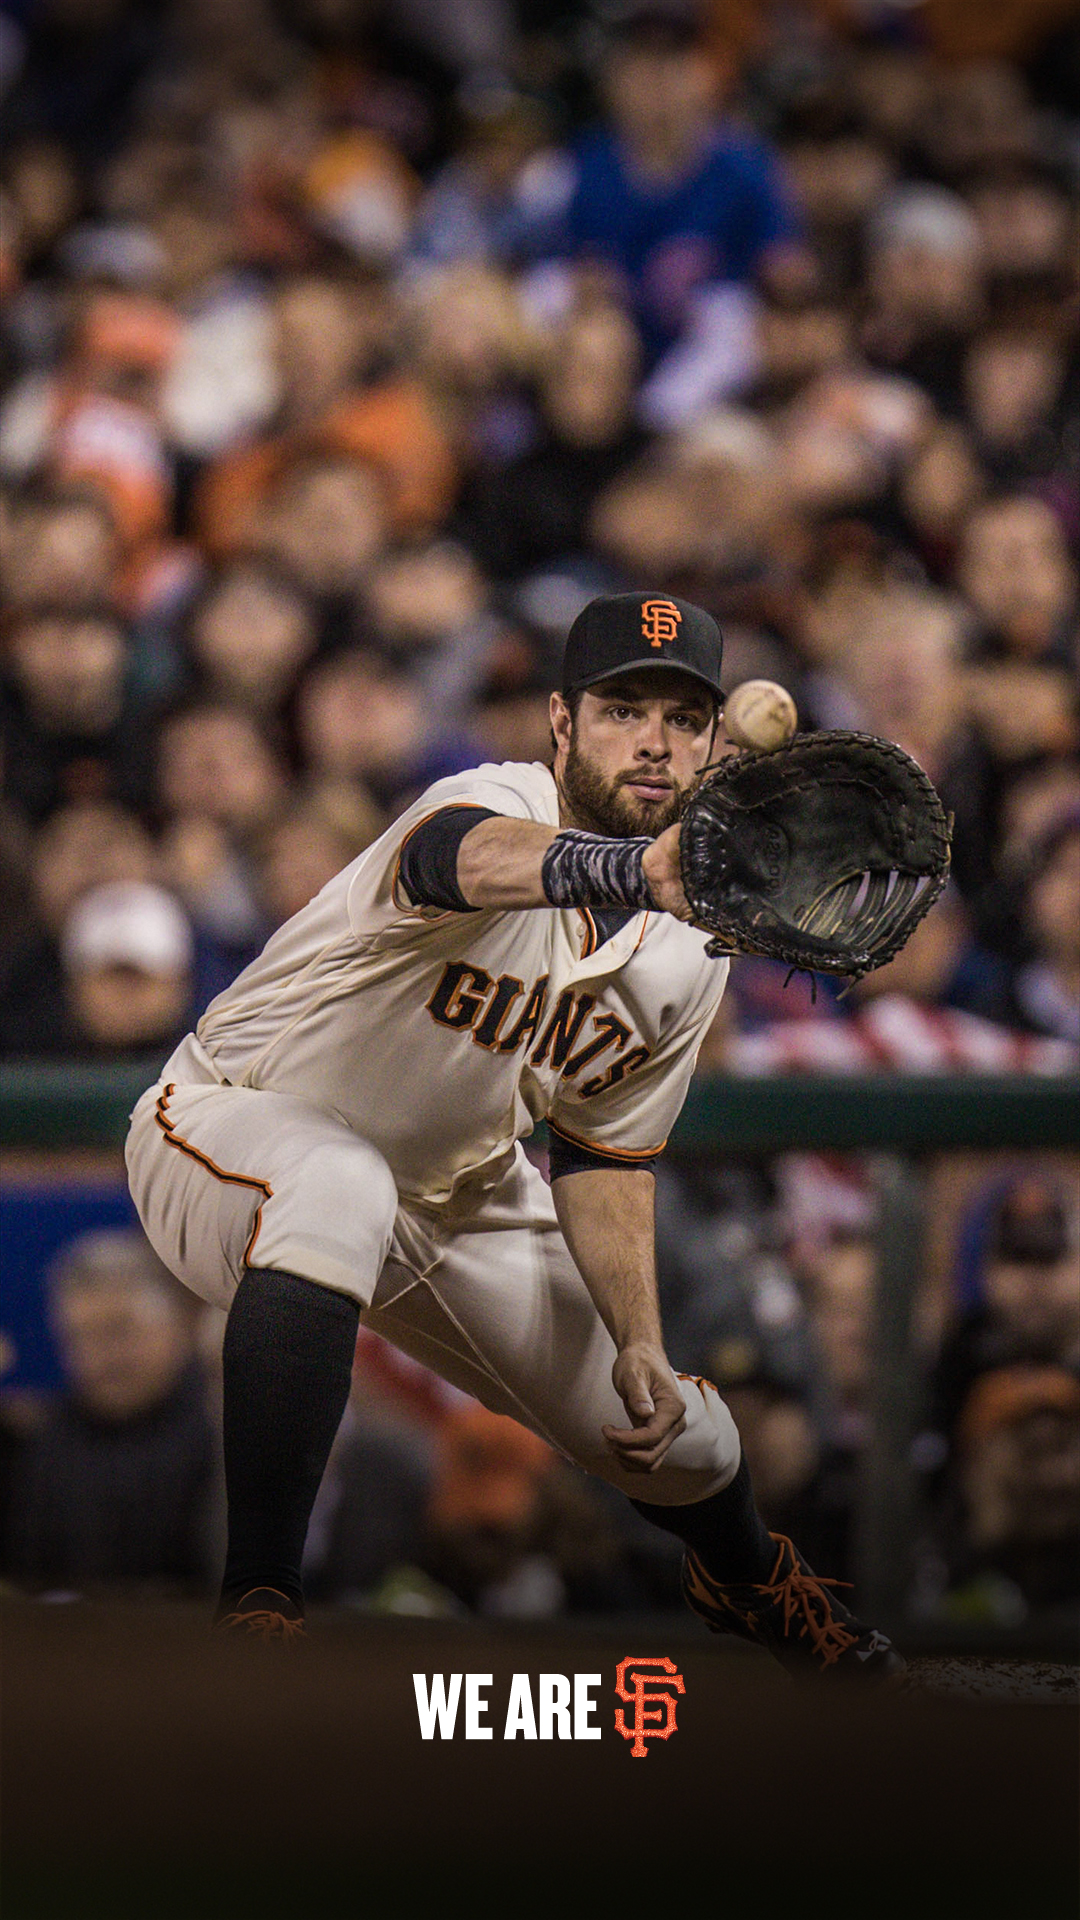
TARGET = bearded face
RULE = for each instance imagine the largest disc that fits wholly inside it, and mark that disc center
(631, 750)
(609, 804)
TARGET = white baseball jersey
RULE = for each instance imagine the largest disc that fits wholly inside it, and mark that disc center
(442, 1037)
(353, 1112)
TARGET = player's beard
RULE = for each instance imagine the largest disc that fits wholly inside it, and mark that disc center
(604, 806)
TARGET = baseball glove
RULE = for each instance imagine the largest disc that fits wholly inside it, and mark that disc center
(825, 854)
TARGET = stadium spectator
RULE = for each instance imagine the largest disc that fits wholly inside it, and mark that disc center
(511, 1531)
(924, 287)
(64, 552)
(363, 720)
(333, 347)
(1014, 568)
(215, 764)
(425, 596)
(120, 1482)
(484, 202)
(836, 1273)
(941, 482)
(475, 349)
(678, 210)
(1014, 378)
(307, 843)
(127, 952)
(1047, 986)
(540, 511)
(77, 849)
(71, 731)
(1022, 1297)
(251, 632)
(1025, 222)
(324, 521)
(1012, 1541)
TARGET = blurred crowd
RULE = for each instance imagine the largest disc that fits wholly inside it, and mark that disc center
(350, 347)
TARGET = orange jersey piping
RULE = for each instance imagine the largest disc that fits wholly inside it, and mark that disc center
(174, 1139)
(605, 1153)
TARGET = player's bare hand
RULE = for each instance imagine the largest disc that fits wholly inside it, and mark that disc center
(660, 865)
(648, 1390)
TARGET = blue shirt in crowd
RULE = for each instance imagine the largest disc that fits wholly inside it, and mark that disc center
(668, 239)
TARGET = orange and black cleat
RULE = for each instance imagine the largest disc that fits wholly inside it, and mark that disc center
(795, 1617)
(263, 1615)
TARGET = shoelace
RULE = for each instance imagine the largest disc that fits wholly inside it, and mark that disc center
(266, 1624)
(801, 1589)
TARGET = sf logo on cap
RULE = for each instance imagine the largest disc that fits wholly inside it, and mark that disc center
(659, 621)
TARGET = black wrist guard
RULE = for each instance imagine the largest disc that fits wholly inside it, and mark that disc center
(589, 870)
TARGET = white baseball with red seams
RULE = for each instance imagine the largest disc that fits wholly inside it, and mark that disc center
(761, 715)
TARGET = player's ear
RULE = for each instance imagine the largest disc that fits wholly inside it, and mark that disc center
(562, 721)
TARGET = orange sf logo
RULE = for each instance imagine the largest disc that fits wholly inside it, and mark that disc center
(659, 621)
(649, 1723)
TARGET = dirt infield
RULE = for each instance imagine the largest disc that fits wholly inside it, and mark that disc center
(152, 1771)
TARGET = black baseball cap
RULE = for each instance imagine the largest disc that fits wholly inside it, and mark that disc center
(624, 632)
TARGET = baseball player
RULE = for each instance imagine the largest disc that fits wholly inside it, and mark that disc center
(340, 1141)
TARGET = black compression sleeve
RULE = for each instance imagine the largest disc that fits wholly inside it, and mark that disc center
(428, 868)
(589, 869)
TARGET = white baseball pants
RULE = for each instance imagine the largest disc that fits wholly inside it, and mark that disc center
(482, 1290)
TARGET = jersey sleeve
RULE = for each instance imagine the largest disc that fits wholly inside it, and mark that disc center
(625, 1111)
(573, 1156)
(427, 864)
(377, 897)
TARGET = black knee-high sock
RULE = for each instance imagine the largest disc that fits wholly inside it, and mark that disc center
(726, 1531)
(287, 1363)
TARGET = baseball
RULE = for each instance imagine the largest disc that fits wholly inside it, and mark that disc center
(761, 715)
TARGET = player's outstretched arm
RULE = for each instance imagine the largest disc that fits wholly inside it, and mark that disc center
(608, 1221)
(501, 864)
